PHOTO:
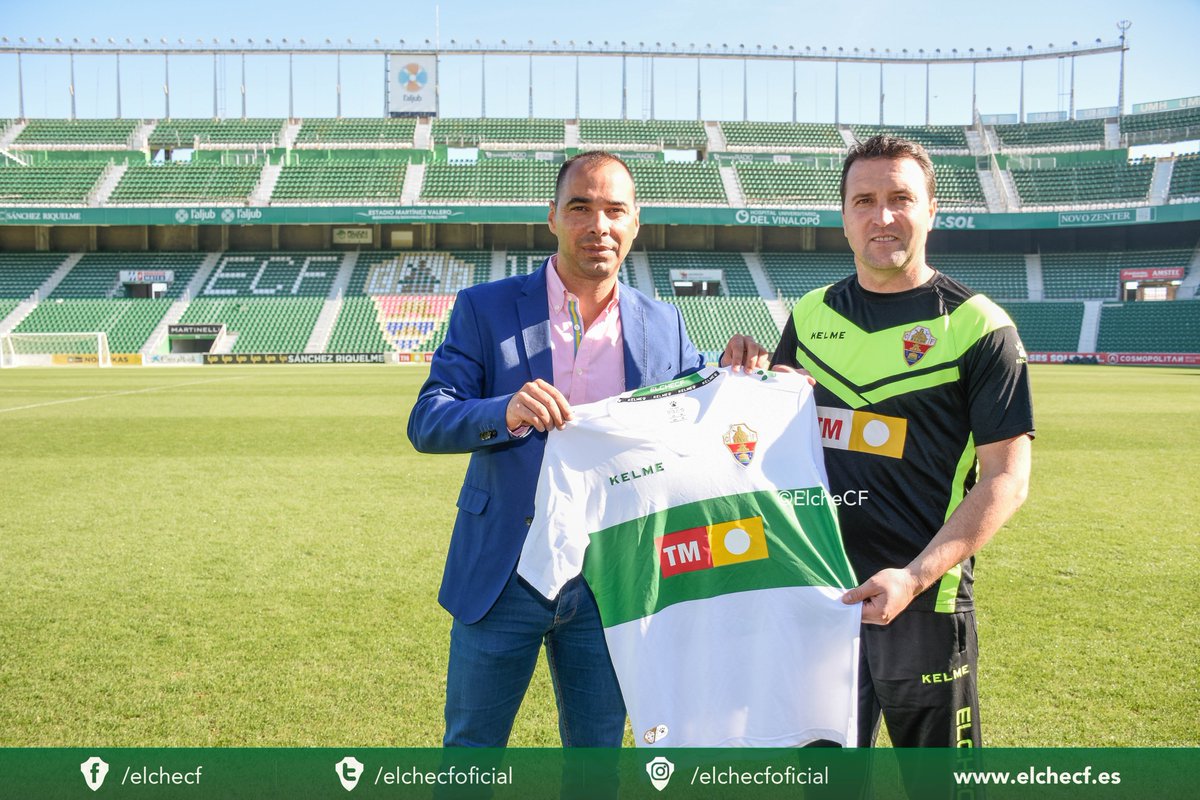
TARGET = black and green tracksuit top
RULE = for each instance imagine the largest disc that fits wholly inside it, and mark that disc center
(908, 384)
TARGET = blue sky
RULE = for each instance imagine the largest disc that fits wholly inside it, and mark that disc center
(1163, 61)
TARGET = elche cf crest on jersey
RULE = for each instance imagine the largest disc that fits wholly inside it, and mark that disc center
(697, 511)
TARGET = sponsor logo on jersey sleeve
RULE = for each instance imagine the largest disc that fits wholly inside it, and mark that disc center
(917, 343)
(862, 431)
(716, 545)
(741, 441)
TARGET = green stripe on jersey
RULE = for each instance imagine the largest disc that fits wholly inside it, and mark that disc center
(736, 543)
(863, 368)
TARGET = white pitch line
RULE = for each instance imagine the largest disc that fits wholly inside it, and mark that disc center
(116, 394)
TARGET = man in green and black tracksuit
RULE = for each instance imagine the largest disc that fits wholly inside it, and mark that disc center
(926, 415)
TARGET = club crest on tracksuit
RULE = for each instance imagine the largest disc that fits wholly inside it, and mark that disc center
(917, 343)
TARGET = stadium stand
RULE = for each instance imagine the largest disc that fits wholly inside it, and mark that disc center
(1091, 183)
(188, 133)
(677, 182)
(498, 180)
(262, 324)
(1168, 327)
(21, 274)
(1052, 327)
(280, 275)
(1052, 135)
(1185, 178)
(343, 180)
(958, 188)
(711, 320)
(98, 274)
(412, 320)
(795, 274)
(1097, 275)
(365, 131)
(1001, 276)
(474, 132)
(934, 137)
(78, 134)
(737, 280)
(59, 182)
(782, 136)
(187, 182)
(789, 184)
(128, 323)
(662, 133)
(384, 272)
(357, 329)
(1161, 126)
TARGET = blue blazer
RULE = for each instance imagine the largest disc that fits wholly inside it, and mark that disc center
(498, 340)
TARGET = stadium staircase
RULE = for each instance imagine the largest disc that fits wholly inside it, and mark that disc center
(571, 133)
(414, 181)
(1160, 182)
(291, 130)
(28, 300)
(1033, 276)
(321, 332)
(991, 194)
(175, 312)
(107, 183)
(140, 138)
(11, 133)
(1191, 279)
(644, 278)
(847, 134)
(716, 140)
(974, 142)
(733, 191)
(423, 135)
(261, 195)
(499, 267)
(780, 311)
(754, 266)
(1089, 330)
(1009, 188)
(1112, 135)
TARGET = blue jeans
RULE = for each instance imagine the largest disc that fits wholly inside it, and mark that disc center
(492, 662)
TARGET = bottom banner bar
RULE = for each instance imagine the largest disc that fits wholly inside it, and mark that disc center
(1108, 774)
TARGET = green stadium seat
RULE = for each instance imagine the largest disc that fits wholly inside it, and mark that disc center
(1150, 327)
(371, 132)
(1052, 135)
(1098, 182)
(1097, 276)
(1047, 326)
(343, 180)
(777, 136)
(668, 133)
(127, 322)
(479, 132)
(188, 133)
(56, 182)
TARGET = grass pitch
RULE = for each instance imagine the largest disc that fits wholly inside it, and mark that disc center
(250, 556)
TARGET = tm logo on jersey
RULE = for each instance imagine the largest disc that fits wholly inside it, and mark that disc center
(741, 441)
(917, 343)
(716, 545)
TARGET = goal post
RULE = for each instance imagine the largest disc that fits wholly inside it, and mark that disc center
(88, 349)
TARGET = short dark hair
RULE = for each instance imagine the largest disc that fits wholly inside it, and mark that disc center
(591, 158)
(891, 147)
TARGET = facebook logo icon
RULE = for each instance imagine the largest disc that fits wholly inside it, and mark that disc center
(94, 770)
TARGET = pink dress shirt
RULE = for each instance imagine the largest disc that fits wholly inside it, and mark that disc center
(589, 365)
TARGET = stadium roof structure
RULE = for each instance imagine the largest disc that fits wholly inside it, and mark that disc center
(393, 51)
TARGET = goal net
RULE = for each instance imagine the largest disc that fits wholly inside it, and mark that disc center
(55, 350)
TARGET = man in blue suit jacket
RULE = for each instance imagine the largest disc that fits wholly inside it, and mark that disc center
(491, 393)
